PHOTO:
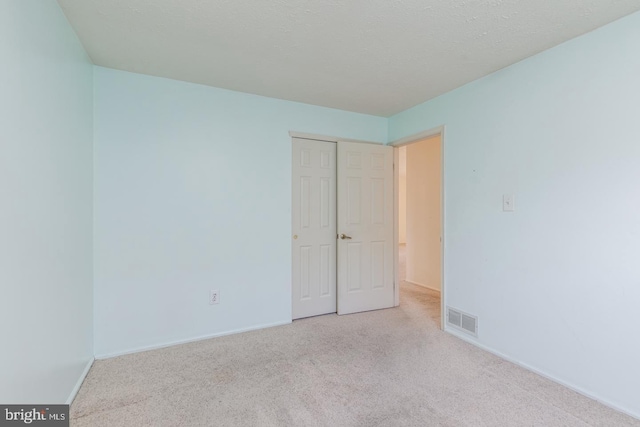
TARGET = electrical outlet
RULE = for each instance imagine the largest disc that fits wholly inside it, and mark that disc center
(214, 297)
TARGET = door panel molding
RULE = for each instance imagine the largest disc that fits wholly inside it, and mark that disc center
(365, 214)
(313, 228)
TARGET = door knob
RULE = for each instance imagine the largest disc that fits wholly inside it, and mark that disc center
(344, 237)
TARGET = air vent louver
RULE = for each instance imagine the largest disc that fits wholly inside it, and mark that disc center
(462, 321)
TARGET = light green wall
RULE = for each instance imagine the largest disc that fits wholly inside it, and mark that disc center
(556, 283)
(193, 193)
(46, 114)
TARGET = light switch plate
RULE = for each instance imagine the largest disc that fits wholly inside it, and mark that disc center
(214, 297)
(508, 203)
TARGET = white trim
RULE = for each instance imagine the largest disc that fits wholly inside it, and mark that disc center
(360, 141)
(417, 136)
(311, 136)
(396, 226)
(188, 340)
(422, 285)
(550, 377)
(326, 138)
(76, 388)
(443, 216)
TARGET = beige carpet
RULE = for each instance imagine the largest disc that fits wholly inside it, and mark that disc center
(390, 367)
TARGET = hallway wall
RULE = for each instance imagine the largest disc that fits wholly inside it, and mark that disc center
(402, 195)
(423, 213)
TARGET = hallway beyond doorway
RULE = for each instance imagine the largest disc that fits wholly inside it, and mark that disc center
(429, 298)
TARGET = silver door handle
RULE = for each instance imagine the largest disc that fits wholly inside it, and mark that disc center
(344, 237)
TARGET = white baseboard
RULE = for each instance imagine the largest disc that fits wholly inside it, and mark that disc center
(76, 388)
(188, 340)
(550, 377)
(422, 285)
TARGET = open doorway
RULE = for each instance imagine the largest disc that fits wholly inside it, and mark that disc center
(419, 221)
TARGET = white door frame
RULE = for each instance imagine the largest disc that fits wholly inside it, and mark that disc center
(440, 130)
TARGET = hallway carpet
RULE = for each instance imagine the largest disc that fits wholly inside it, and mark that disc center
(389, 367)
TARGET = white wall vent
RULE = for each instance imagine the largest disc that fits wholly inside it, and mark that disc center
(462, 321)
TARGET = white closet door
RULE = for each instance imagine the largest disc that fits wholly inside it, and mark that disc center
(314, 228)
(365, 227)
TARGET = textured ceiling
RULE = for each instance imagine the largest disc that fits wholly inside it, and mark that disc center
(371, 56)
